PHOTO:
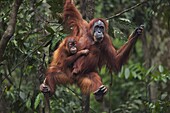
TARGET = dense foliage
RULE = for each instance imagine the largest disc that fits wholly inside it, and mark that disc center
(140, 87)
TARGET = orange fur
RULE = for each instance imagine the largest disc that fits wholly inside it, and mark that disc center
(85, 85)
(101, 53)
(79, 28)
(59, 54)
(74, 19)
(89, 83)
(59, 72)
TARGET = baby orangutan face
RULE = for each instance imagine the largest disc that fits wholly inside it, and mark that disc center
(72, 46)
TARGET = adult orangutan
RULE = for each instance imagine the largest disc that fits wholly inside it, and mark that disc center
(94, 36)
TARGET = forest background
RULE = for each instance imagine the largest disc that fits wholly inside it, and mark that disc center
(31, 29)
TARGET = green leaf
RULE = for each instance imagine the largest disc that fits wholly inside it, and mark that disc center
(139, 102)
(28, 103)
(103, 70)
(161, 69)
(150, 70)
(134, 106)
(127, 73)
(38, 100)
(15, 43)
(139, 77)
(164, 79)
(134, 74)
(49, 29)
(22, 95)
(39, 3)
(164, 95)
(121, 73)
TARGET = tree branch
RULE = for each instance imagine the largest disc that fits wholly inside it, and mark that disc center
(126, 10)
(10, 29)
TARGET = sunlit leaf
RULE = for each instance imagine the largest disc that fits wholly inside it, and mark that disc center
(125, 20)
(138, 102)
(127, 73)
(161, 69)
(164, 79)
(134, 74)
(164, 95)
(22, 95)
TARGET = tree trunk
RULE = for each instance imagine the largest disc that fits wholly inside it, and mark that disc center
(85, 103)
(10, 29)
(154, 60)
(87, 9)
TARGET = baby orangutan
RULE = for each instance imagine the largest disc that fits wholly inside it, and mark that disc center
(59, 71)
